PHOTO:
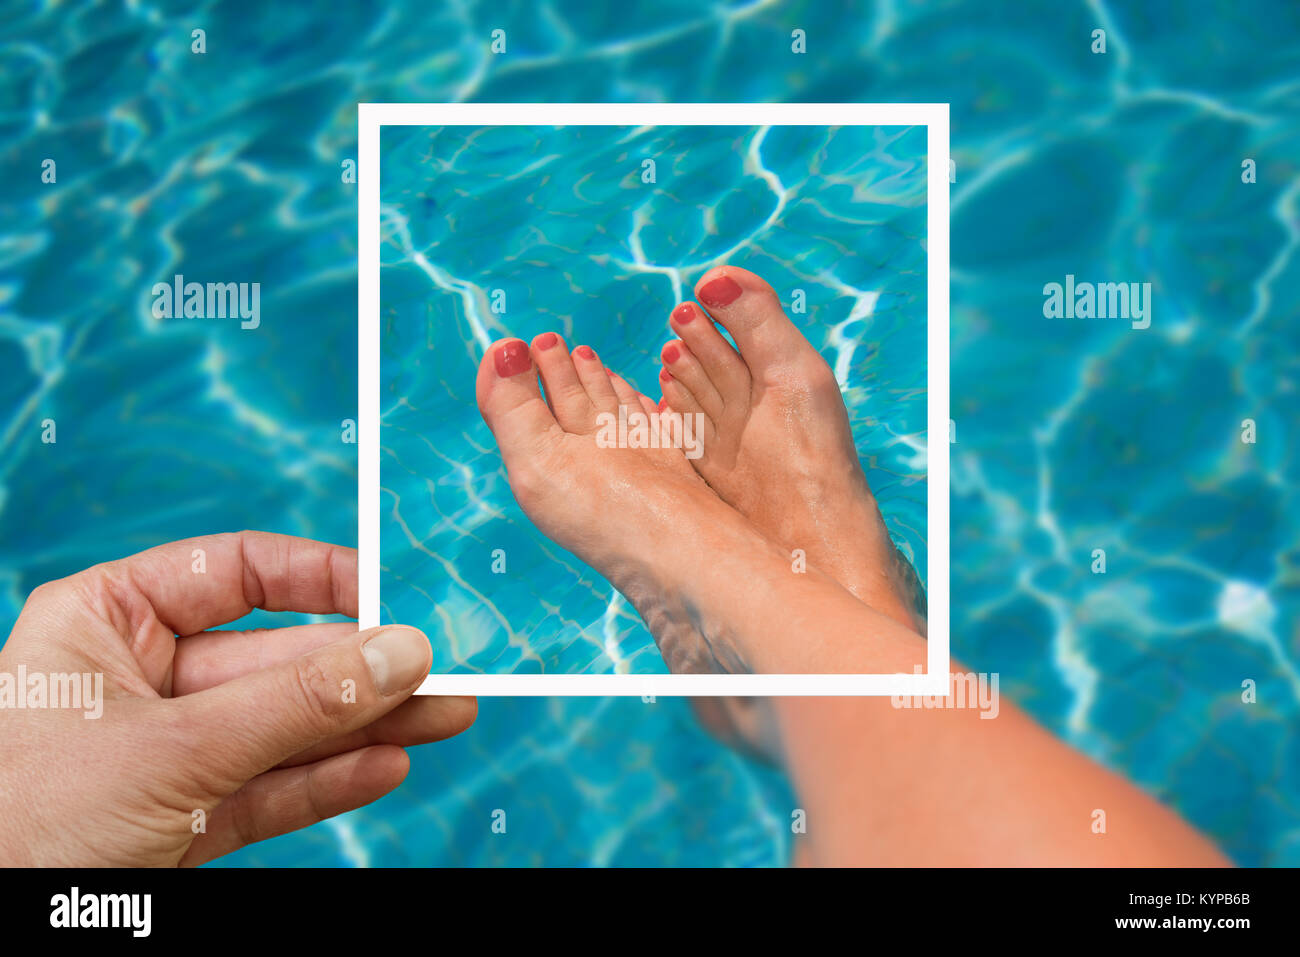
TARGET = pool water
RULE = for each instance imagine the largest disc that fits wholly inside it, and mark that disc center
(501, 232)
(1072, 435)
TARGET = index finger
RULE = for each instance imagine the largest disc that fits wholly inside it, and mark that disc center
(199, 583)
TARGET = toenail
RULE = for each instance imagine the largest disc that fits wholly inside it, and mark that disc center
(720, 291)
(585, 351)
(671, 353)
(512, 359)
(546, 340)
(683, 314)
(663, 404)
(665, 375)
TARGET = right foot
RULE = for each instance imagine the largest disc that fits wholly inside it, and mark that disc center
(779, 448)
(777, 444)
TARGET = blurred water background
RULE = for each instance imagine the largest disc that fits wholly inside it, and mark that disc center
(1072, 435)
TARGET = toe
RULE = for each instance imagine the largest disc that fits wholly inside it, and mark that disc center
(678, 397)
(682, 423)
(721, 363)
(627, 395)
(689, 374)
(511, 401)
(751, 311)
(564, 390)
(591, 371)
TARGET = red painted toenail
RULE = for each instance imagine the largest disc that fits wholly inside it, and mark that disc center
(665, 375)
(683, 314)
(663, 404)
(546, 340)
(585, 351)
(720, 292)
(512, 359)
(671, 353)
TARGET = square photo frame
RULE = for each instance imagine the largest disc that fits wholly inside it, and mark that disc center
(373, 117)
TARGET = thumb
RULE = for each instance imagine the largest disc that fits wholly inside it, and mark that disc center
(236, 730)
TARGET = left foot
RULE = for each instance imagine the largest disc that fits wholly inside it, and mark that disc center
(641, 517)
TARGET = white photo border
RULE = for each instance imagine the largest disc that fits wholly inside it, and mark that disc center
(933, 116)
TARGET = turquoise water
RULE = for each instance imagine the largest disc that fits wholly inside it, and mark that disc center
(1071, 435)
(513, 232)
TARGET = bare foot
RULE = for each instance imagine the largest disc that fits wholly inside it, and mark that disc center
(717, 595)
(612, 507)
(778, 447)
(641, 517)
(777, 444)
(644, 519)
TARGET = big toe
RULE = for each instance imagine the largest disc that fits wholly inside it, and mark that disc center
(751, 311)
(511, 400)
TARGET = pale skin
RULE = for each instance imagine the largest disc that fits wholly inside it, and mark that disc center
(702, 549)
(250, 734)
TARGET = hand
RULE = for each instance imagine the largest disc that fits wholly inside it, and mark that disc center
(206, 741)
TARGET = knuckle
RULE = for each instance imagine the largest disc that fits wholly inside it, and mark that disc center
(42, 595)
(319, 699)
(244, 821)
